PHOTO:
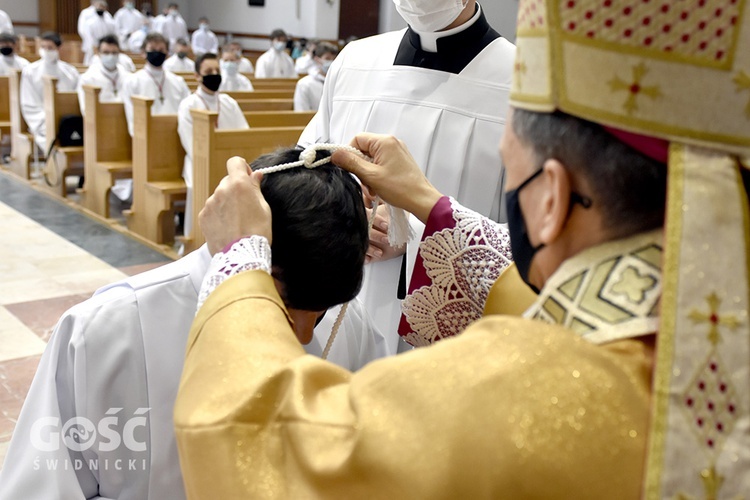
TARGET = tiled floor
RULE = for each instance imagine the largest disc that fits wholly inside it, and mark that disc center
(51, 258)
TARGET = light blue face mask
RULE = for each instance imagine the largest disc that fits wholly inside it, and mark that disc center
(326, 65)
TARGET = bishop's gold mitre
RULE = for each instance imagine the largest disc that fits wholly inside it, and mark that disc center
(677, 70)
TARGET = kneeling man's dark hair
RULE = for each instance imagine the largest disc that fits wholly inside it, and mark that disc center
(320, 234)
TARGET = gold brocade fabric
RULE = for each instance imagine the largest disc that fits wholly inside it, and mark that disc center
(509, 294)
(512, 408)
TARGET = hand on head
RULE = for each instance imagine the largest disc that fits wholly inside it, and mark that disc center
(236, 209)
(393, 175)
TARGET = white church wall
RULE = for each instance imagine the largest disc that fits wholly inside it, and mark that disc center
(22, 10)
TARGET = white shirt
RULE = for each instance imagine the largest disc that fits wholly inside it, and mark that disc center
(237, 82)
(177, 65)
(230, 117)
(146, 83)
(135, 42)
(275, 64)
(85, 16)
(451, 123)
(6, 25)
(205, 41)
(123, 60)
(305, 64)
(174, 28)
(11, 62)
(96, 28)
(309, 91)
(125, 348)
(128, 21)
(111, 83)
(32, 93)
(246, 66)
(157, 23)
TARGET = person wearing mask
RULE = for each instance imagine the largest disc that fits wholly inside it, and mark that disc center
(173, 27)
(245, 65)
(204, 40)
(231, 79)
(450, 72)
(153, 81)
(84, 17)
(128, 20)
(32, 85)
(305, 63)
(10, 60)
(158, 21)
(179, 62)
(97, 26)
(135, 42)
(106, 74)
(206, 97)
(275, 62)
(309, 90)
(6, 25)
(123, 60)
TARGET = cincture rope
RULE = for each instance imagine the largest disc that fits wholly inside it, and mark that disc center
(399, 230)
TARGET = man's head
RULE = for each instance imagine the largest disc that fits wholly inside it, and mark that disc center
(580, 186)
(181, 48)
(279, 39)
(203, 23)
(435, 15)
(324, 55)
(320, 236)
(101, 7)
(8, 43)
(230, 64)
(207, 72)
(128, 4)
(109, 51)
(156, 48)
(49, 45)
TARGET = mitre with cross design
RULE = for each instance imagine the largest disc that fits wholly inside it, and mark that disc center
(678, 71)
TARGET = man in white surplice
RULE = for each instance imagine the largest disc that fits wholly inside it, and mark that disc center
(207, 97)
(441, 86)
(97, 27)
(114, 362)
(84, 17)
(32, 85)
(275, 62)
(128, 20)
(107, 74)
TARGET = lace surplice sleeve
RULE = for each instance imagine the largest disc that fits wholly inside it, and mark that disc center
(461, 255)
(248, 254)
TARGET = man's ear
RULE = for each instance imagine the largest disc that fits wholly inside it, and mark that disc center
(555, 201)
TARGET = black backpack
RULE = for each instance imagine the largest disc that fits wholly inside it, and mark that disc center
(69, 134)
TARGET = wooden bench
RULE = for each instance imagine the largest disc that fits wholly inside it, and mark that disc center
(4, 106)
(266, 104)
(21, 140)
(108, 151)
(158, 159)
(67, 160)
(258, 119)
(211, 150)
(244, 95)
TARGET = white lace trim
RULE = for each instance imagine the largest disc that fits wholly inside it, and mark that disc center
(248, 254)
(463, 263)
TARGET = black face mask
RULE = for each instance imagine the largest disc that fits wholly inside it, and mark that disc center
(99, 13)
(212, 82)
(6, 51)
(156, 58)
(182, 55)
(520, 245)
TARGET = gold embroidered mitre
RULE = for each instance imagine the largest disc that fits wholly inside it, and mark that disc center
(677, 70)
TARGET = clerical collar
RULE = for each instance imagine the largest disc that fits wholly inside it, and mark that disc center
(456, 48)
(606, 293)
(429, 39)
(206, 96)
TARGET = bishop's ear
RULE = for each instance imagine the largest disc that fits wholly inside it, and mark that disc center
(555, 201)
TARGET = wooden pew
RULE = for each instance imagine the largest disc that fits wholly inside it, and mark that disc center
(157, 173)
(258, 119)
(266, 105)
(211, 150)
(67, 160)
(21, 140)
(107, 150)
(4, 106)
(244, 95)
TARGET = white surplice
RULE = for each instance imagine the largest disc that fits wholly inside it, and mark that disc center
(32, 94)
(275, 64)
(204, 41)
(11, 62)
(119, 356)
(176, 64)
(246, 66)
(451, 123)
(230, 118)
(6, 25)
(174, 28)
(128, 21)
(309, 91)
(111, 83)
(236, 82)
(95, 29)
(84, 17)
(146, 83)
(305, 64)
